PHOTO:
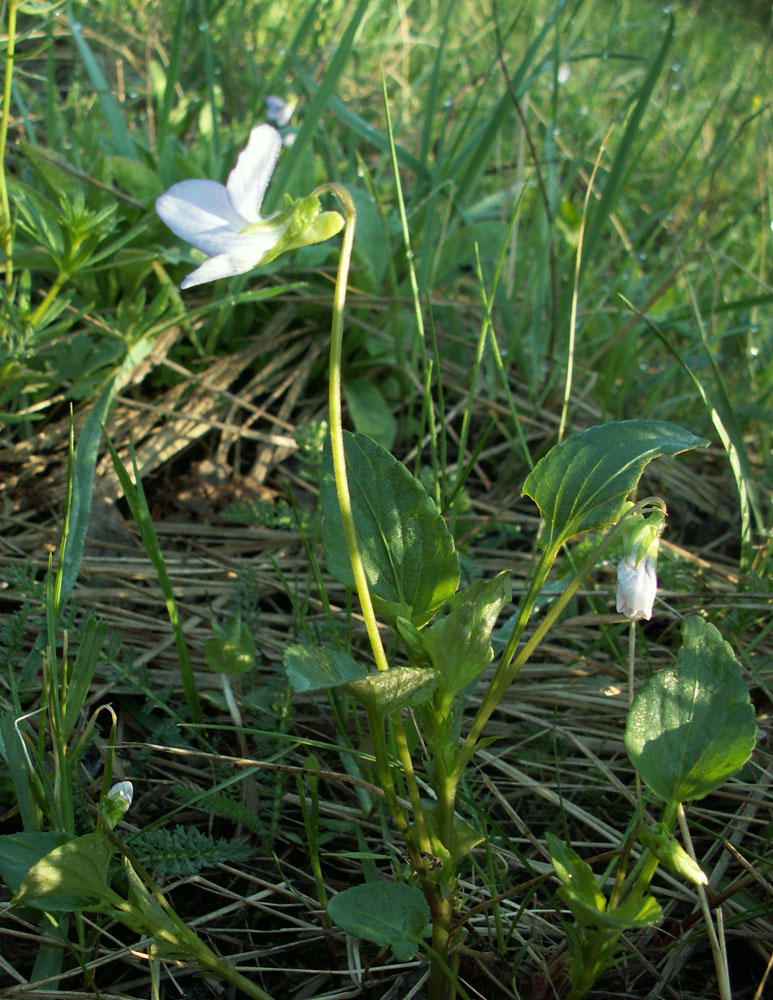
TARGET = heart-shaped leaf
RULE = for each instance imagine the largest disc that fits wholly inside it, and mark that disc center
(691, 727)
(384, 913)
(582, 483)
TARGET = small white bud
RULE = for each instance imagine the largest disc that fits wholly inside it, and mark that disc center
(122, 791)
(636, 588)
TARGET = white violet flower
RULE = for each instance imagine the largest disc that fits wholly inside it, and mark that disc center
(279, 110)
(224, 221)
(637, 585)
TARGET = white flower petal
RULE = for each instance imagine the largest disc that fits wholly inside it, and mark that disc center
(201, 213)
(249, 179)
(224, 265)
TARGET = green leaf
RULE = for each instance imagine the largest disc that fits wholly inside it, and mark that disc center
(82, 672)
(585, 900)
(72, 876)
(576, 875)
(459, 645)
(20, 851)
(110, 106)
(634, 913)
(384, 913)
(314, 668)
(390, 690)
(407, 549)
(691, 727)
(369, 411)
(465, 837)
(582, 483)
(232, 650)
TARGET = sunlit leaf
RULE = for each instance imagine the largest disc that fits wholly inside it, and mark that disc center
(71, 877)
(459, 644)
(390, 690)
(582, 483)
(314, 668)
(693, 726)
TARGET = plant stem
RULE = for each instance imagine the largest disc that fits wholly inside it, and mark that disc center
(507, 672)
(719, 952)
(5, 208)
(442, 913)
(336, 424)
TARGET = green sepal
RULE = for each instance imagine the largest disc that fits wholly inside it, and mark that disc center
(666, 848)
(300, 224)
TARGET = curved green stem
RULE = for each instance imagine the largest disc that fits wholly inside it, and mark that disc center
(507, 671)
(336, 424)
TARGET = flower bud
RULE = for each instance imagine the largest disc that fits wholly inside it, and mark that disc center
(637, 581)
(636, 588)
(670, 853)
(117, 801)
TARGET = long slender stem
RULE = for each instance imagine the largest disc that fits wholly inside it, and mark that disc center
(717, 950)
(336, 424)
(5, 208)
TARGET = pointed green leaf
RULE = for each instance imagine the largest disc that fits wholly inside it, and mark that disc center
(585, 900)
(576, 874)
(384, 913)
(465, 837)
(460, 643)
(407, 549)
(582, 483)
(693, 726)
(390, 690)
(314, 668)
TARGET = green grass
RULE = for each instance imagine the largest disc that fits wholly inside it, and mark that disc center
(499, 117)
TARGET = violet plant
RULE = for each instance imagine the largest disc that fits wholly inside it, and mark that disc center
(385, 538)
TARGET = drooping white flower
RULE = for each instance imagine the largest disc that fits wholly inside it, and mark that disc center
(637, 579)
(637, 585)
(224, 221)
